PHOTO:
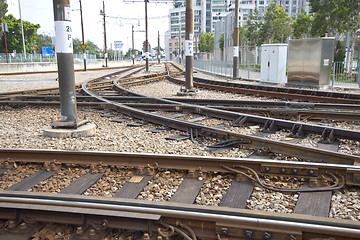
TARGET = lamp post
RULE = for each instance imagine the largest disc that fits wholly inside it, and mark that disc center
(22, 30)
(83, 37)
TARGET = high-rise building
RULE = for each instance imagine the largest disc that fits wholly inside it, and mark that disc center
(208, 12)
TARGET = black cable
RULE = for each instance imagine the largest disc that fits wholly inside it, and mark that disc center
(335, 186)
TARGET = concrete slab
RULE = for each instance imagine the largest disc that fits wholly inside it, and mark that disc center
(86, 130)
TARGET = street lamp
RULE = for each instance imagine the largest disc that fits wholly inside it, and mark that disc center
(22, 31)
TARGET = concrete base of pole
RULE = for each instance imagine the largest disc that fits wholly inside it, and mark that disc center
(86, 130)
(186, 92)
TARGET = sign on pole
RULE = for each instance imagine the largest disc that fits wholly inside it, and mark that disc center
(4, 27)
(83, 46)
(47, 51)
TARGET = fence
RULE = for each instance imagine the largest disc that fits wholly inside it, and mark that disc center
(32, 58)
(251, 71)
(340, 75)
(246, 71)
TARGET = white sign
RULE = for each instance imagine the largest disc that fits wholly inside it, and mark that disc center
(189, 48)
(118, 44)
(191, 36)
(63, 35)
(147, 55)
(67, 13)
(326, 62)
(4, 27)
(236, 51)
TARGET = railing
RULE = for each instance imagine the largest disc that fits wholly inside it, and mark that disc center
(249, 71)
(342, 75)
(33, 58)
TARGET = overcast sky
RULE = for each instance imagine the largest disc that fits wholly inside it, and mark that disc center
(121, 16)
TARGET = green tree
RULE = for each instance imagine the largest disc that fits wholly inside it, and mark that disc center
(301, 25)
(331, 16)
(221, 42)
(206, 42)
(14, 37)
(42, 40)
(3, 8)
(77, 46)
(276, 27)
(252, 27)
(92, 48)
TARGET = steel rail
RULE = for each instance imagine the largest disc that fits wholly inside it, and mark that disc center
(277, 123)
(281, 113)
(275, 146)
(173, 161)
(280, 92)
(207, 217)
(55, 71)
(6, 95)
(210, 102)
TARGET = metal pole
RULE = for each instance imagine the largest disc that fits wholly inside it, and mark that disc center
(65, 58)
(22, 30)
(358, 77)
(158, 53)
(83, 36)
(106, 53)
(146, 38)
(6, 49)
(180, 37)
(236, 40)
(133, 49)
(189, 45)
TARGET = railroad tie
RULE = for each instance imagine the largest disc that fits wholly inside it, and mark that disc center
(134, 187)
(187, 191)
(32, 180)
(82, 183)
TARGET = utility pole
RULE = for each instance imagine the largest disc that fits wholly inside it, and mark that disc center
(146, 38)
(158, 53)
(83, 37)
(22, 30)
(65, 59)
(236, 40)
(180, 37)
(106, 53)
(189, 46)
(133, 49)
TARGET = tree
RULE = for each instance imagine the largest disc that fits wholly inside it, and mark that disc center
(3, 8)
(92, 48)
(330, 16)
(252, 27)
(206, 42)
(77, 46)
(276, 27)
(42, 40)
(301, 25)
(14, 37)
(221, 42)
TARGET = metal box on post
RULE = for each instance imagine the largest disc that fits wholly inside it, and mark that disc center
(273, 63)
(310, 62)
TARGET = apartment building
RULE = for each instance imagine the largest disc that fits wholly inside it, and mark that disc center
(208, 12)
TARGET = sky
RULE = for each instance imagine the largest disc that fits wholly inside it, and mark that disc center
(121, 16)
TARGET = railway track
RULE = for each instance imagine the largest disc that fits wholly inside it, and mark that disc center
(257, 140)
(274, 109)
(181, 214)
(46, 190)
(273, 91)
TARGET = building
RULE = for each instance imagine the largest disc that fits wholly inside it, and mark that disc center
(208, 12)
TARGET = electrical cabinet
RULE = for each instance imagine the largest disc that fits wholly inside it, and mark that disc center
(310, 62)
(273, 63)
